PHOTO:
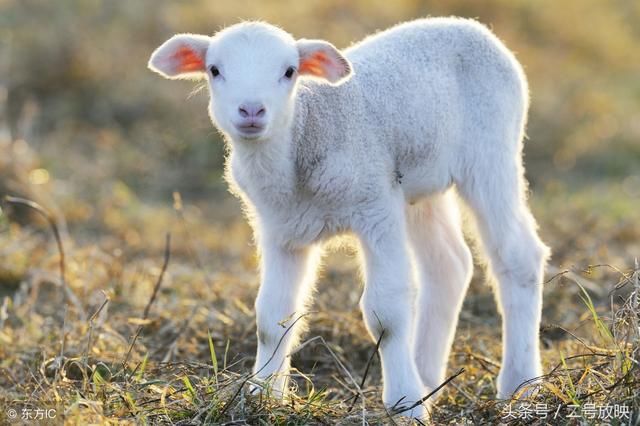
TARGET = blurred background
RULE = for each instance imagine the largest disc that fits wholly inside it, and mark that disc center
(113, 150)
(121, 156)
(76, 94)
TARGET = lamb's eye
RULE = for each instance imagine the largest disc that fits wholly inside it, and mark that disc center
(214, 71)
(289, 72)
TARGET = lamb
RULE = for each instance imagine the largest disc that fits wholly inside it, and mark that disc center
(380, 140)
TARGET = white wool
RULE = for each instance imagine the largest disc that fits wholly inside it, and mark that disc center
(372, 141)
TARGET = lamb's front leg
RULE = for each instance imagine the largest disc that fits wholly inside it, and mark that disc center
(286, 278)
(387, 305)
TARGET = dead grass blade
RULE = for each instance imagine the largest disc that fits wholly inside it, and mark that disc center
(145, 315)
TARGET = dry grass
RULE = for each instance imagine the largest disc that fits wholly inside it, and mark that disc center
(153, 341)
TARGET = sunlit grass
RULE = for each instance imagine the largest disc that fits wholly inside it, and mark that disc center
(196, 347)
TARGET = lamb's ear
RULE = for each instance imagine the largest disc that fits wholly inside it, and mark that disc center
(182, 56)
(321, 59)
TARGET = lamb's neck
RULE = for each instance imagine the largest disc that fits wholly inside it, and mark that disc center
(269, 155)
(265, 170)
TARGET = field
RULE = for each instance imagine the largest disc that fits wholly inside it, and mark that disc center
(141, 311)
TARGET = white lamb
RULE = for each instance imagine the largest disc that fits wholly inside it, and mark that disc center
(372, 140)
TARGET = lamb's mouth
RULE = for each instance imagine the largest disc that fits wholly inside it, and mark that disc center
(250, 131)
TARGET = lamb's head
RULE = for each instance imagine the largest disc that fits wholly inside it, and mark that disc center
(252, 71)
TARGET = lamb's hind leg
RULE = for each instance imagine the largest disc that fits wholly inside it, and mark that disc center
(443, 271)
(516, 258)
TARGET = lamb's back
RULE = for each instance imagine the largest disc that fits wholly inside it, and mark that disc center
(413, 91)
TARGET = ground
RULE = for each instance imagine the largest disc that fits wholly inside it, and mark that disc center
(188, 356)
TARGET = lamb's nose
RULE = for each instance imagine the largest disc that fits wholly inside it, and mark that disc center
(251, 110)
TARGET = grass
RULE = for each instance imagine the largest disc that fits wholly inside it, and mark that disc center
(157, 337)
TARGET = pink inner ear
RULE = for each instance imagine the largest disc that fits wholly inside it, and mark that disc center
(317, 64)
(188, 60)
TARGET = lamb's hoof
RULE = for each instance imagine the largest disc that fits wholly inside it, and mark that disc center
(410, 408)
(524, 391)
(272, 387)
(256, 389)
(518, 386)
